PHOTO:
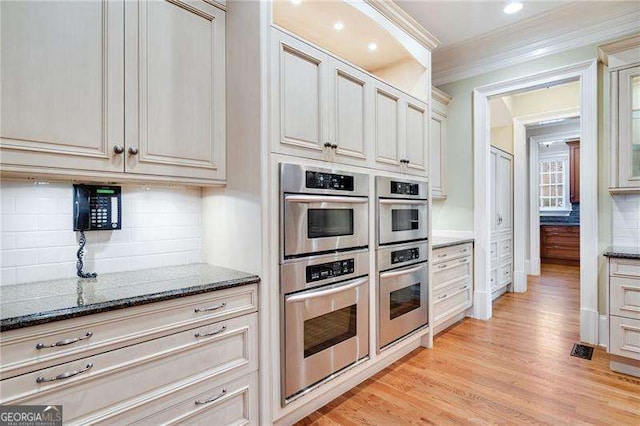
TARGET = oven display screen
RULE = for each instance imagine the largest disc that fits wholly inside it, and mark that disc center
(404, 188)
(319, 180)
(324, 223)
(404, 300)
(328, 330)
(330, 270)
(404, 220)
(405, 255)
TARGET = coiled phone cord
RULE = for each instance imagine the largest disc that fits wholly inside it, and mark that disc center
(80, 263)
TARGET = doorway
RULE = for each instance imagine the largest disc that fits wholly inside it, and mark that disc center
(586, 74)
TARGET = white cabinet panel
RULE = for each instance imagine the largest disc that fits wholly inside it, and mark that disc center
(387, 130)
(436, 152)
(624, 338)
(416, 136)
(178, 124)
(62, 84)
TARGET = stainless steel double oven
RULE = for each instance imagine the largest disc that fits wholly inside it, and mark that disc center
(402, 258)
(324, 275)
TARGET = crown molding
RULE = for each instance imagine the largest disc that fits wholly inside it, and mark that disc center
(617, 46)
(457, 62)
(440, 96)
(403, 20)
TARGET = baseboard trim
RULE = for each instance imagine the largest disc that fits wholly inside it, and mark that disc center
(519, 281)
(533, 267)
(479, 305)
(589, 324)
(603, 331)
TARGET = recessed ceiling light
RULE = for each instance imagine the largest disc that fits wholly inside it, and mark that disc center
(372, 46)
(510, 8)
(296, 2)
(338, 25)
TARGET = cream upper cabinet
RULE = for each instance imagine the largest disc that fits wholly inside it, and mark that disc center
(416, 136)
(437, 143)
(387, 126)
(62, 103)
(628, 120)
(350, 113)
(175, 69)
(136, 88)
(300, 96)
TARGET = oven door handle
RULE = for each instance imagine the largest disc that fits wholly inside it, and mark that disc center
(392, 274)
(308, 199)
(322, 293)
(399, 201)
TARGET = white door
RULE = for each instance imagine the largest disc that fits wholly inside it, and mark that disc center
(494, 188)
(387, 126)
(416, 142)
(350, 113)
(175, 89)
(505, 192)
(437, 129)
(299, 77)
(62, 84)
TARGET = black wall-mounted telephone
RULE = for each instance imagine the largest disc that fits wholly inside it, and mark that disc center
(96, 208)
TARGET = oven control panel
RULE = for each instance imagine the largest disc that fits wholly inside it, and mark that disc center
(328, 270)
(321, 180)
(404, 188)
(405, 255)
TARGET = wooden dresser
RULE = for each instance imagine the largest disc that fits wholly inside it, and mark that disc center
(560, 244)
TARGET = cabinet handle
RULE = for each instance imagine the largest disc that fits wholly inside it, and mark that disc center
(212, 308)
(464, 287)
(334, 146)
(442, 297)
(442, 266)
(327, 145)
(506, 272)
(133, 150)
(464, 260)
(442, 255)
(215, 398)
(65, 375)
(64, 342)
(118, 149)
(213, 333)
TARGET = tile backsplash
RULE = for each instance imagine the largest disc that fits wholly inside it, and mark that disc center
(160, 226)
(626, 220)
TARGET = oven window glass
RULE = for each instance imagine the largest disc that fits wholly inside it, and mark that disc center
(329, 329)
(404, 220)
(329, 222)
(404, 300)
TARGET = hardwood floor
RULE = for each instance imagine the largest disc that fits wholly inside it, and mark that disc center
(513, 369)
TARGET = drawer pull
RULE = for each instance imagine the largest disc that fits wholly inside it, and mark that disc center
(463, 251)
(64, 342)
(464, 260)
(442, 255)
(213, 333)
(442, 297)
(464, 287)
(442, 266)
(215, 398)
(65, 375)
(212, 308)
(506, 272)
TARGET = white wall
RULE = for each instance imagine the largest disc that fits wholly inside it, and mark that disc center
(160, 227)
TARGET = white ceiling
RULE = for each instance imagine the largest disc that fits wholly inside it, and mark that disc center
(455, 21)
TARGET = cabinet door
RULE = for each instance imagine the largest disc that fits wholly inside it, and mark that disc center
(504, 192)
(175, 89)
(349, 106)
(415, 141)
(62, 84)
(629, 126)
(299, 80)
(387, 126)
(494, 188)
(437, 136)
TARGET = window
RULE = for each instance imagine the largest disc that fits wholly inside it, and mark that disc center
(554, 190)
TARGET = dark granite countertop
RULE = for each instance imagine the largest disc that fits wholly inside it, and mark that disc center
(440, 242)
(622, 252)
(558, 224)
(28, 304)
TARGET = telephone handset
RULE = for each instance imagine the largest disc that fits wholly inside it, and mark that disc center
(96, 208)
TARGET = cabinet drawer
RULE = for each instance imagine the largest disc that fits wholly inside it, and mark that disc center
(562, 240)
(560, 230)
(493, 251)
(504, 275)
(85, 336)
(233, 402)
(494, 279)
(559, 252)
(111, 379)
(624, 267)
(504, 250)
(624, 296)
(451, 270)
(624, 337)
(452, 252)
(452, 300)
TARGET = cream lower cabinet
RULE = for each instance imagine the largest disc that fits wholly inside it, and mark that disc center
(108, 88)
(452, 284)
(438, 143)
(624, 315)
(170, 362)
(326, 109)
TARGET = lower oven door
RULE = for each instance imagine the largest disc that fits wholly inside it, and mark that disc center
(402, 302)
(402, 220)
(326, 330)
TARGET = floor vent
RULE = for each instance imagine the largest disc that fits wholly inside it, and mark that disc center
(582, 351)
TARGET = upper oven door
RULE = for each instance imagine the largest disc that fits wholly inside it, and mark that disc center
(402, 220)
(323, 223)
